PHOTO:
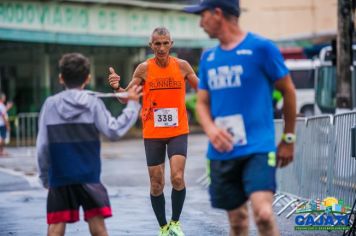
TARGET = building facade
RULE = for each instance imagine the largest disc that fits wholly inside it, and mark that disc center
(34, 35)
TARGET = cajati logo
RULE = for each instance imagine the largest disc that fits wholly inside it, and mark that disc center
(328, 214)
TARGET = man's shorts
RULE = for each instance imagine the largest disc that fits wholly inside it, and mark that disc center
(233, 181)
(63, 203)
(156, 148)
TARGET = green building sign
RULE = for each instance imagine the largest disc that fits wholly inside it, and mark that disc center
(94, 24)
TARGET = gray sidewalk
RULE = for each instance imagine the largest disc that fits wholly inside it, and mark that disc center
(124, 172)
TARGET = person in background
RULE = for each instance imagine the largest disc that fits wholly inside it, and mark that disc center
(235, 110)
(4, 124)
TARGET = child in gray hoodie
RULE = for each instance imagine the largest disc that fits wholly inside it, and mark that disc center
(68, 147)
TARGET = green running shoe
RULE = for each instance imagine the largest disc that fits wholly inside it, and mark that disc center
(175, 229)
(164, 230)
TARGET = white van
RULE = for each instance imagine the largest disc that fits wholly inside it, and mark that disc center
(326, 82)
(302, 73)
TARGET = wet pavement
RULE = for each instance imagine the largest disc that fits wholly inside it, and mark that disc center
(124, 172)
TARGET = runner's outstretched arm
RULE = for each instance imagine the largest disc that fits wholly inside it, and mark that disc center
(137, 79)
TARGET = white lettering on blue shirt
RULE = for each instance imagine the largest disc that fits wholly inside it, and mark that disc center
(244, 52)
(225, 77)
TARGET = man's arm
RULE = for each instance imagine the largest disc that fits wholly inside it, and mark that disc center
(286, 87)
(9, 105)
(189, 74)
(138, 77)
(221, 139)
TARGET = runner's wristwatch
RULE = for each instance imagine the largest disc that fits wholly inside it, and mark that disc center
(288, 138)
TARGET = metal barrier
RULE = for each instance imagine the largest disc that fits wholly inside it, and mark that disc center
(315, 157)
(322, 166)
(26, 125)
(289, 177)
(342, 182)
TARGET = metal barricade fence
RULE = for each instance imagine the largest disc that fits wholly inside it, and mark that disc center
(342, 174)
(305, 178)
(289, 178)
(315, 157)
(26, 125)
(323, 166)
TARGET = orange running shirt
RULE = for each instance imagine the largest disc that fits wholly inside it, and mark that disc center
(164, 114)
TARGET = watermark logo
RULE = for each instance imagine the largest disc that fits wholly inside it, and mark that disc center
(328, 214)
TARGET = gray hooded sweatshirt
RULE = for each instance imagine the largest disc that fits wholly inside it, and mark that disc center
(68, 142)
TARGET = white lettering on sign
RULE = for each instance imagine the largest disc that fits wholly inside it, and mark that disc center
(96, 19)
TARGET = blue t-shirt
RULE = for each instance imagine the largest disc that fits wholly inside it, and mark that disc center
(240, 84)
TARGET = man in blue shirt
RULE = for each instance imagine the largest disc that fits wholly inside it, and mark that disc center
(237, 78)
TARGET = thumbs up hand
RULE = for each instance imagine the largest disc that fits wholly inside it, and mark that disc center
(114, 79)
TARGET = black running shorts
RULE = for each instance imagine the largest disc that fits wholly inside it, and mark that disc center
(233, 181)
(156, 148)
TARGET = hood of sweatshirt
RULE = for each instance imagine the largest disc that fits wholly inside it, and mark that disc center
(73, 102)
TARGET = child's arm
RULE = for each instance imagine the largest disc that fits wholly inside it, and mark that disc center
(114, 128)
(42, 148)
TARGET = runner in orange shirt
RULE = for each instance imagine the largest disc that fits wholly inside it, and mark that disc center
(165, 122)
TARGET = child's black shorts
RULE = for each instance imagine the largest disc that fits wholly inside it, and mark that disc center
(63, 202)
